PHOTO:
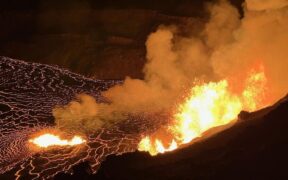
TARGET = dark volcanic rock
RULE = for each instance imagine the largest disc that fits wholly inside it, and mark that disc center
(91, 36)
(254, 148)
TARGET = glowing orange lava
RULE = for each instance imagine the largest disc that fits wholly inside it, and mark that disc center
(47, 140)
(209, 105)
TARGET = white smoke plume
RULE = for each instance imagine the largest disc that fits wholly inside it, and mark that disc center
(226, 46)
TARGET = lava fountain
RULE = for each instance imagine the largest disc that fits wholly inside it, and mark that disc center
(47, 140)
(208, 105)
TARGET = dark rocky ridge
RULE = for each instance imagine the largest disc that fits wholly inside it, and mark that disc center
(255, 147)
(91, 36)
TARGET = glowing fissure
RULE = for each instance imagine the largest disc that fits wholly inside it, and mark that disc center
(47, 140)
(207, 106)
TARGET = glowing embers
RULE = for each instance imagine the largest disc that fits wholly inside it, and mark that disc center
(48, 139)
(209, 105)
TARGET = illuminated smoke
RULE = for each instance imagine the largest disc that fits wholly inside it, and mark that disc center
(227, 46)
(259, 5)
(262, 36)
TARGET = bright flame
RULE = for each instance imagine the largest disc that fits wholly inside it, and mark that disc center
(47, 140)
(146, 145)
(208, 105)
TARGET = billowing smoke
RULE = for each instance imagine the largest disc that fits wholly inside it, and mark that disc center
(262, 36)
(258, 5)
(226, 46)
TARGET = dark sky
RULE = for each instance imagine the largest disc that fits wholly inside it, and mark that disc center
(100, 4)
(104, 39)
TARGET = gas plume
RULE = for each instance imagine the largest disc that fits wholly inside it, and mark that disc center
(226, 47)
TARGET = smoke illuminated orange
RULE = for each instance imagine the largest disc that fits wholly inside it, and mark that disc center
(209, 105)
(47, 140)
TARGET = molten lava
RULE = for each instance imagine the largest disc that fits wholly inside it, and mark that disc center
(209, 105)
(47, 140)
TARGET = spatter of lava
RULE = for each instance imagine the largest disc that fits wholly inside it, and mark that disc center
(208, 105)
(28, 93)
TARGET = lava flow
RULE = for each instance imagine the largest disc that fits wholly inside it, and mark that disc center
(209, 105)
(47, 140)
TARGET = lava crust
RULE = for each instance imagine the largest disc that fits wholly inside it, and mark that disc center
(28, 93)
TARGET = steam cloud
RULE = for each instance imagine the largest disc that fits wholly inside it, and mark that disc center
(226, 46)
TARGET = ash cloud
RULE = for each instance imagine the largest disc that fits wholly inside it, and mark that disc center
(227, 46)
